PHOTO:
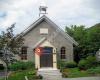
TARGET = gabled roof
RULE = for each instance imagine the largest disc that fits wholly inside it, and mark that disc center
(53, 24)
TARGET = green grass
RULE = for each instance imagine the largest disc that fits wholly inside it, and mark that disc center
(75, 72)
(1, 78)
(20, 75)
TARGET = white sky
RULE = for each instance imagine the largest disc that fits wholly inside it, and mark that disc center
(62, 12)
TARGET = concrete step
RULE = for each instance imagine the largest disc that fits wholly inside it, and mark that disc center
(52, 77)
(50, 74)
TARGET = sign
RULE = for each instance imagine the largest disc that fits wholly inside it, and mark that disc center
(38, 51)
(43, 30)
(47, 50)
(43, 50)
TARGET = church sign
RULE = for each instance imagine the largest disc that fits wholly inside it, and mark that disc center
(43, 50)
(47, 50)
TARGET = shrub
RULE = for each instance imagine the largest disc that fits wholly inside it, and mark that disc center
(21, 66)
(71, 65)
(95, 70)
(64, 74)
(20, 75)
(29, 65)
(82, 64)
(61, 64)
(98, 63)
(87, 63)
(91, 61)
(32, 73)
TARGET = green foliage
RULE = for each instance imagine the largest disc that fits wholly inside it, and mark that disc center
(71, 65)
(32, 73)
(88, 39)
(82, 64)
(95, 70)
(77, 33)
(61, 64)
(21, 66)
(13, 42)
(20, 75)
(64, 74)
(2, 79)
(74, 72)
(89, 62)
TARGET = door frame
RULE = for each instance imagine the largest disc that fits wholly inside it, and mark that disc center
(54, 54)
(47, 60)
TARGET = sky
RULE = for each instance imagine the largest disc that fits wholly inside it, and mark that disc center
(62, 12)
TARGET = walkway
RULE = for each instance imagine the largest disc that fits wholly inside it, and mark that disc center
(54, 74)
(83, 78)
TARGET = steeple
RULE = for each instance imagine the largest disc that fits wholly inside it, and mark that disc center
(42, 8)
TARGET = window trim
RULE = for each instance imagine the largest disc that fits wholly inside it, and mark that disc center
(24, 53)
(63, 53)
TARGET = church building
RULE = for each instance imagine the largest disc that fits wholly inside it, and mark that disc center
(45, 44)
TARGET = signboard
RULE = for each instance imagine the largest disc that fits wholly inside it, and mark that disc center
(43, 50)
(43, 31)
(47, 50)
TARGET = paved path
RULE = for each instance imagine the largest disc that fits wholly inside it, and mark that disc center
(83, 78)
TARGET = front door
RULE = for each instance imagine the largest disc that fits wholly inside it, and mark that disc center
(46, 59)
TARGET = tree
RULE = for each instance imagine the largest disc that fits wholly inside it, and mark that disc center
(13, 42)
(88, 39)
(79, 34)
(93, 38)
(10, 44)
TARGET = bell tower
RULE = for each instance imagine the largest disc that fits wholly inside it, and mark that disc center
(42, 8)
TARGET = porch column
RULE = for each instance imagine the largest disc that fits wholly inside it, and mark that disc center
(54, 58)
(37, 61)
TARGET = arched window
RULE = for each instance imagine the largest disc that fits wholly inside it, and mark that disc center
(63, 53)
(24, 53)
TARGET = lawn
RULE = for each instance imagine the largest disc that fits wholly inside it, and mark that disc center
(75, 72)
(20, 75)
(1, 79)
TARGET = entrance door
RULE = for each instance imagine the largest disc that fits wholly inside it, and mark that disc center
(46, 59)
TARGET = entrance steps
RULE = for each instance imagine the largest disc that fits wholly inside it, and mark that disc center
(50, 74)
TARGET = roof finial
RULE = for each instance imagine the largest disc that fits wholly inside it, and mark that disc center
(42, 8)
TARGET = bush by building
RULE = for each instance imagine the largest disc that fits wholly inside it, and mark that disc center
(21, 66)
(71, 65)
(93, 71)
(87, 63)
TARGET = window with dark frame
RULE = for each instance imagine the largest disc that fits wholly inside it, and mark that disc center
(24, 53)
(63, 53)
